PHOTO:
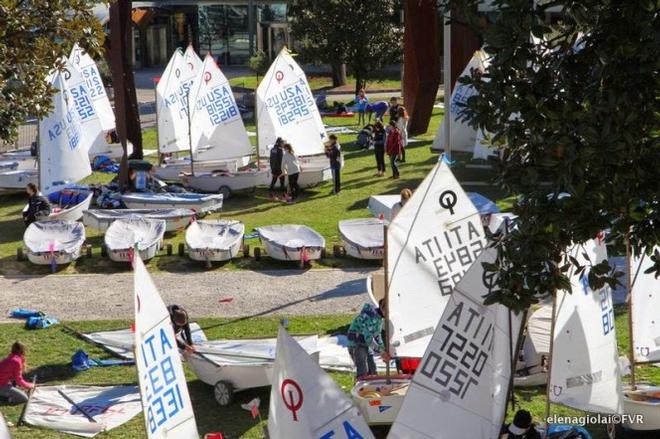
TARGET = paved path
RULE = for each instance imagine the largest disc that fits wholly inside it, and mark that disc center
(109, 296)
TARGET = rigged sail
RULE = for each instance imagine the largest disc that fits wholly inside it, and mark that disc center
(462, 136)
(305, 402)
(192, 60)
(465, 373)
(172, 105)
(87, 67)
(645, 310)
(432, 241)
(62, 155)
(216, 121)
(165, 400)
(585, 367)
(286, 108)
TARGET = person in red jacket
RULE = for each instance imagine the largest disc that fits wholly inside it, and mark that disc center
(11, 376)
(394, 147)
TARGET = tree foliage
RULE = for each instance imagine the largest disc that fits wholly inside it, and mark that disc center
(33, 35)
(363, 35)
(574, 114)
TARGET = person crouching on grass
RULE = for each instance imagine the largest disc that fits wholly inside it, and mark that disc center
(11, 376)
(365, 338)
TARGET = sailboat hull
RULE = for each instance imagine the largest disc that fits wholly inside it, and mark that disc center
(379, 399)
(73, 213)
(226, 182)
(171, 170)
(16, 180)
(645, 401)
(242, 374)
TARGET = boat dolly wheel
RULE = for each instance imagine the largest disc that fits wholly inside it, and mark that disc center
(223, 392)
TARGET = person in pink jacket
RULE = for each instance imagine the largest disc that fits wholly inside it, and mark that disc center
(11, 376)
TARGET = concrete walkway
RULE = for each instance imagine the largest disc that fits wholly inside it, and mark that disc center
(108, 297)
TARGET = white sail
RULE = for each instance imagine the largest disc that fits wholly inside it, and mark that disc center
(4, 431)
(432, 241)
(172, 105)
(93, 137)
(460, 388)
(192, 60)
(86, 65)
(645, 310)
(215, 119)
(166, 403)
(585, 367)
(286, 108)
(305, 402)
(462, 135)
(62, 156)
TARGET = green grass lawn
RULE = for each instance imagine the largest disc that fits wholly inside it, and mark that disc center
(318, 82)
(50, 353)
(316, 208)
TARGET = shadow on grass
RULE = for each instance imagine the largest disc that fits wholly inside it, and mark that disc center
(48, 373)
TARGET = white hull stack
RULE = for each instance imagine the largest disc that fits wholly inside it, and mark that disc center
(216, 240)
(363, 238)
(291, 242)
(644, 401)
(125, 234)
(101, 219)
(54, 242)
(198, 202)
(172, 169)
(226, 183)
(16, 180)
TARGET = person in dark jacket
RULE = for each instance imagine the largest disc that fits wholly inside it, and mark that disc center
(379, 148)
(276, 154)
(394, 147)
(522, 427)
(394, 109)
(181, 326)
(38, 206)
(333, 152)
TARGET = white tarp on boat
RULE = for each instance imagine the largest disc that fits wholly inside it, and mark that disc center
(305, 402)
(585, 366)
(86, 65)
(166, 403)
(122, 341)
(645, 310)
(53, 407)
(460, 387)
(432, 241)
(172, 104)
(126, 233)
(214, 234)
(363, 232)
(215, 120)
(291, 236)
(286, 108)
(462, 135)
(54, 236)
(63, 157)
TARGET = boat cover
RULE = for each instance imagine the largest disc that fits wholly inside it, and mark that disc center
(363, 232)
(54, 236)
(164, 214)
(293, 236)
(125, 233)
(216, 234)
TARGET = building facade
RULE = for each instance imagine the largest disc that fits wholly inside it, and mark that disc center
(232, 31)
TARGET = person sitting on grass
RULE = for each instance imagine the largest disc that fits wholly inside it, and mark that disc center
(38, 205)
(181, 326)
(365, 338)
(11, 376)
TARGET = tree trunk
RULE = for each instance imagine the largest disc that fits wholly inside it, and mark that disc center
(338, 74)
(359, 83)
(123, 82)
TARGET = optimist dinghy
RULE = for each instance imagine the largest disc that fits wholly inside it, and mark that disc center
(175, 219)
(70, 203)
(291, 242)
(215, 240)
(6, 165)
(123, 234)
(363, 238)
(201, 203)
(54, 242)
(15, 180)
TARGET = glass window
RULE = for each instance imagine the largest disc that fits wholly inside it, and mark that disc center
(273, 13)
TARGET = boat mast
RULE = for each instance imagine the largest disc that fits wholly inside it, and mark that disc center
(256, 119)
(447, 83)
(552, 342)
(192, 166)
(631, 339)
(386, 298)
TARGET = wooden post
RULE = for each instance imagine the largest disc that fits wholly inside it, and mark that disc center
(552, 342)
(631, 338)
(386, 298)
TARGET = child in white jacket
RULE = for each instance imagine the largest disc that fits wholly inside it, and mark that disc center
(291, 165)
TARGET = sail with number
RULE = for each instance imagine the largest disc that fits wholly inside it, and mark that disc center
(286, 108)
(432, 241)
(305, 402)
(62, 155)
(215, 120)
(585, 367)
(460, 387)
(167, 409)
(172, 105)
(645, 310)
(90, 72)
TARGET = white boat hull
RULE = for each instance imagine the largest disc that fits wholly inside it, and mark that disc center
(16, 180)
(241, 375)
(54, 241)
(96, 219)
(215, 240)
(171, 170)
(374, 400)
(363, 238)
(209, 203)
(124, 254)
(532, 380)
(283, 253)
(61, 258)
(649, 410)
(73, 213)
(226, 183)
(358, 252)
